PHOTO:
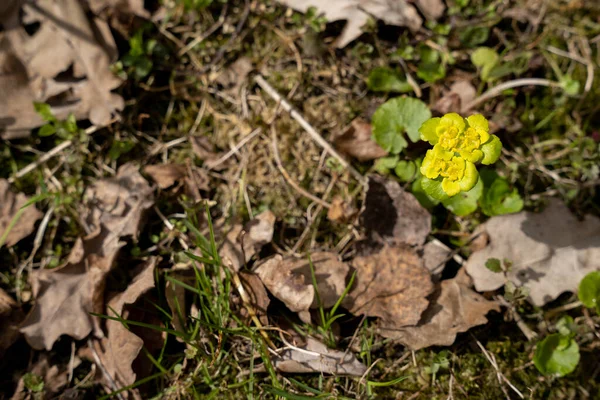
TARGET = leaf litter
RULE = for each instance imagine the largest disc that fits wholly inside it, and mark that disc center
(549, 252)
(12, 204)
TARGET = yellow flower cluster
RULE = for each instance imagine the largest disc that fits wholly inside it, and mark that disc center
(458, 143)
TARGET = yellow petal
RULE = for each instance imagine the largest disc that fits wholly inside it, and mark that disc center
(472, 156)
(427, 130)
(481, 125)
(470, 178)
(428, 164)
(450, 187)
(453, 119)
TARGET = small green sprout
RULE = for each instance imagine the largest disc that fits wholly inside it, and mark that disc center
(458, 144)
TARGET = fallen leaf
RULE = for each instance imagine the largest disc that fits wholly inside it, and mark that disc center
(175, 294)
(205, 151)
(66, 295)
(292, 289)
(358, 12)
(461, 93)
(55, 377)
(259, 298)
(241, 244)
(394, 216)
(432, 9)
(357, 141)
(550, 252)
(165, 175)
(136, 7)
(66, 62)
(316, 357)
(10, 318)
(454, 308)
(435, 257)
(391, 284)
(10, 204)
(121, 347)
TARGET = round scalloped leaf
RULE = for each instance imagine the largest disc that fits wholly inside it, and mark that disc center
(433, 187)
(465, 203)
(589, 290)
(396, 117)
(556, 355)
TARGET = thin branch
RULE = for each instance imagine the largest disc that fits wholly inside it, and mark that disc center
(306, 126)
(497, 90)
(235, 149)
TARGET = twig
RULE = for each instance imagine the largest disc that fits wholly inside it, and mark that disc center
(288, 178)
(501, 377)
(529, 334)
(110, 380)
(67, 143)
(235, 149)
(497, 90)
(306, 126)
(205, 34)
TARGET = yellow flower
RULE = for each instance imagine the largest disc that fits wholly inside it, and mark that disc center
(435, 161)
(446, 131)
(459, 176)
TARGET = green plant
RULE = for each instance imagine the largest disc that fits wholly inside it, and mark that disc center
(139, 58)
(66, 129)
(439, 363)
(498, 197)
(558, 354)
(458, 143)
(33, 382)
(396, 117)
(589, 290)
(382, 79)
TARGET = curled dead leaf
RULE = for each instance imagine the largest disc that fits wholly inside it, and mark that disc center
(357, 141)
(121, 347)
(165, 175)
(10, 204)
(241, 244)
(550, 252)
(394, 216)
(454, 308)
(316, 357)
(392, 284)
(258, 296)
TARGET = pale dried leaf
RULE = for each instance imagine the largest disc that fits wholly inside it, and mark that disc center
(165, 175)
(358, 12)
(356, 141)
(454, 308)
(55, 377)
(233, 77)
(461, 93)
(292, 289)
(135, 7)
(121, 347)
(241, 244)
(435, 257)
(10, 203)
(10, 319)
(432, 9)
(66, 295)
(391, 284)
(550, 252)
(67, 59)
(316, 357)
(394, 216)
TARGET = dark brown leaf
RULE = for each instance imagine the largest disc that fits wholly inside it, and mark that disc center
(356, 141)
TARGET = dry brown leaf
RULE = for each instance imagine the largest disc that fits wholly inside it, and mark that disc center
(10, 203)
(550, 252)
(316, 357)
(394, 216)
(175, 294)
(66, 62)
(241, 244)
(166, 175)
(259, 298)
(292, 289)
(454, 308)
(66, 295)
(10, 318)
(461, 93)
(356, 141)
(358, 12)
(121, 347)
(135, 7)
(392, 284)
(435, 257)
(233, 77)
(205, 151)
(432, 9)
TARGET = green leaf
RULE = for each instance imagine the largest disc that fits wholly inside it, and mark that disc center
(71, 124)
(46, 130)
(566, 326)
(433, 187)
(498, 198)
(383, 165)
(494, 265)
(387, 80)
(485, 59)
(569, 85)
(417, 190)
(589, 290)
(406, 170)
(556, 355)
(45, 111)
(472, 36)
(465, 203)
(394, 118)
(33, 382)
(143, 66)
(118, 148)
